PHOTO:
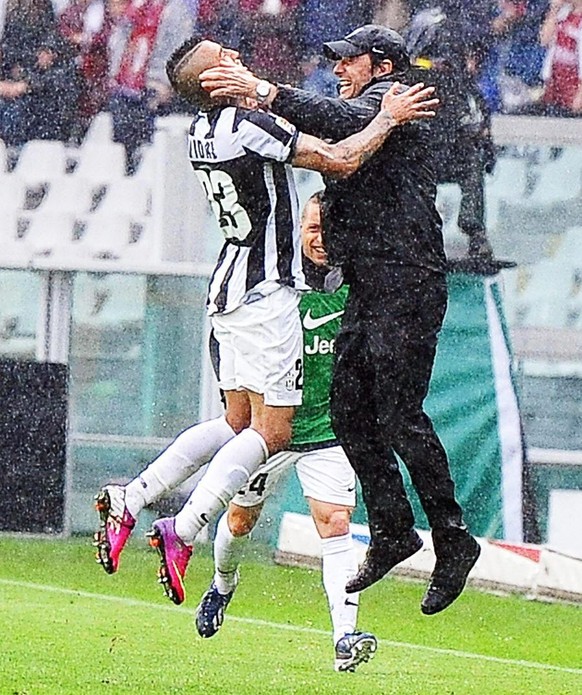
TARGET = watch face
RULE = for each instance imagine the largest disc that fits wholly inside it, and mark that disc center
(263, 89)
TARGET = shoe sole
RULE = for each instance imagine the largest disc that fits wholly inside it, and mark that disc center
(207, 629)
(355, 585)
(467, 565)
(362, 652)
(156, 540)
(103, 554)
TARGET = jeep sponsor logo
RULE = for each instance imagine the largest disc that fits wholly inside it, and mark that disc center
(320, 346)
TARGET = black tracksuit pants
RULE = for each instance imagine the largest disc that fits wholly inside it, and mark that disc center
(384, 358)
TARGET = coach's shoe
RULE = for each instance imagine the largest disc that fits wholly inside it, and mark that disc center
(455, 558)
(210, 612)
(381, 557)
(354, 649)
(174, 558)
(116, 525)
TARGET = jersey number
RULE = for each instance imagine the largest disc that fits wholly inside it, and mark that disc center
(259, 483)
(299, 377)
(233, 219)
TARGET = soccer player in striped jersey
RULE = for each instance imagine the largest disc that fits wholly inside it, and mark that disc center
(326, 476)
(242, 158)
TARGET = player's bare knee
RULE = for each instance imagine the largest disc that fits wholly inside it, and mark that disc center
(242, 520)
(338, 523)
(274, 424)
(332, 522)
(277, 441)
(276, 435)
(237, 422)
(238, 418)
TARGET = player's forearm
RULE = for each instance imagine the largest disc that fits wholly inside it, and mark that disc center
(324, 117)
(345, 157)
(356, 149)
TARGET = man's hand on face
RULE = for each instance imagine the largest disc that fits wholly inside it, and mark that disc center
(409, 104)
(229, 81)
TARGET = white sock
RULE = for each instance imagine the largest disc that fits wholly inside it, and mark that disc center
(228, 471)
(191, 450)
(228, 550)
(339, 565)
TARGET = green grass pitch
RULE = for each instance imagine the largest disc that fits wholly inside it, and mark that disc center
(67, 628)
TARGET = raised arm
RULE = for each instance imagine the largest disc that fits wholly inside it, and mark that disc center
(342, 159)
(325, 117)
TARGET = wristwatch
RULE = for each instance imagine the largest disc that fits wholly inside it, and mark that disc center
(262, 90)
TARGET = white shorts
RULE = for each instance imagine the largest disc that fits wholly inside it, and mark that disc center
(324, 474)
(259, 347)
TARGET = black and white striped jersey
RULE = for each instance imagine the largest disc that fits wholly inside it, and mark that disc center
(239, 157)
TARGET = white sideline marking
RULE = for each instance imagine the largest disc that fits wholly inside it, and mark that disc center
(290, 628)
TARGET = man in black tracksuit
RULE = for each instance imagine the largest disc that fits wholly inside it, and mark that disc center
(383, 230)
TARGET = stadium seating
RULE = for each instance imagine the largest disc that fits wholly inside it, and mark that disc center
(19, 316)
(127, 196)
(569, 256)
(558, 177)
(533, 196)
(509, 178)
(100, 162)
(40, 161)
(100, 130)
(97, 222)
(541, 295)
(574, 305)
(48, 233)
(71, 193)
(147, 166)
(108, 300)
(2, 157)
(12, 193)
(113, 236)
(448, 203)
(13, 251)
(94, 212)
(569, 251)
(510, 290)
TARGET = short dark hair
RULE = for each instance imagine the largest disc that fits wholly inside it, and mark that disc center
(183, 49)
(315, 198)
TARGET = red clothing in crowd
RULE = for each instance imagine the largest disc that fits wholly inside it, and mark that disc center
(564, 61)
(144, 17)
(93, 60)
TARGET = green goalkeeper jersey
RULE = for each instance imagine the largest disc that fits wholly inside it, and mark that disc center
(321, 317)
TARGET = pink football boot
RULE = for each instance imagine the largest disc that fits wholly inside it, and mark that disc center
(174, 558)
(115, 527)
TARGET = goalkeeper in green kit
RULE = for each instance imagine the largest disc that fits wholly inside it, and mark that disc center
(326, 476)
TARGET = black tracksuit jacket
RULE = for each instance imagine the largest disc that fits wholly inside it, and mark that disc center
(386, 208)
(381, 226)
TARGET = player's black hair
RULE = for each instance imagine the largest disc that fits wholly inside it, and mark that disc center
(316, 197)
(183, 49)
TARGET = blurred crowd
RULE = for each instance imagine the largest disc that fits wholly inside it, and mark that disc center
(63, 61)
